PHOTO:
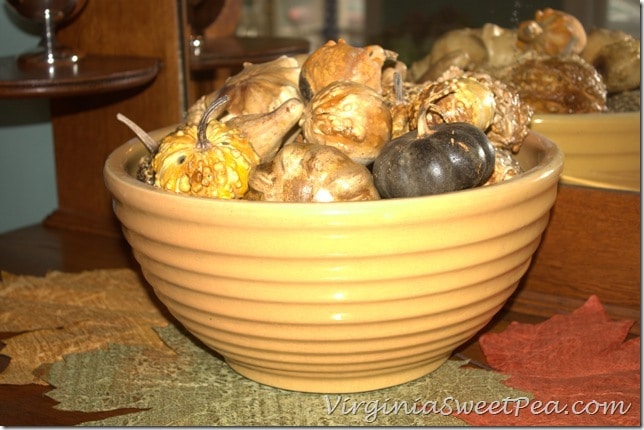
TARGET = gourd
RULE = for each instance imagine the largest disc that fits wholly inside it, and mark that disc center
(339, 61)
(448, 157)
(210, 159)
(349, 116)
(309, 172)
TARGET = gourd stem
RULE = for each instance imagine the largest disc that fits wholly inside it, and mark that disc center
(147, 140)
(422, 128)
(399, 90)
(202, 138)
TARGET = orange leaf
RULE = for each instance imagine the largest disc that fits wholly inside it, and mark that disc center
(579, 368)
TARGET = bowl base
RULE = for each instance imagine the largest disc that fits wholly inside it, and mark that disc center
(334, 384)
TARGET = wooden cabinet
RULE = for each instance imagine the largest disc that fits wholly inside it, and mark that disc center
(591, 246)
(139, 63)
(85, 128)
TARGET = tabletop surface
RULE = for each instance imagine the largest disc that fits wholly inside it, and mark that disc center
(605, 261)
(37, 250)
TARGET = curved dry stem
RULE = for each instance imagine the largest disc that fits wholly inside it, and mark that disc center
(422, 126)
(147, 140)
(202, 139)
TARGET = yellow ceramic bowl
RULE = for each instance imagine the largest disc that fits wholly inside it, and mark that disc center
(602, 149)
(336, 297)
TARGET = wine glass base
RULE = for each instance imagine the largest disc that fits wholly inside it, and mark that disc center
(40, 57)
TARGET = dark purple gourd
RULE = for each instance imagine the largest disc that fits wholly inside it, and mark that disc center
(448, 157)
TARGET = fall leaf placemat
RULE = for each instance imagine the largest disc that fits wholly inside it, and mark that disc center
(195, 388)
(103, 343)
(66, 313)
(88, 335)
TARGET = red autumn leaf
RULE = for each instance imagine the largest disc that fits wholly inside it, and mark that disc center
(579, 368)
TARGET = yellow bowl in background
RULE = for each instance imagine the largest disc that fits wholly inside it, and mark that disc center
(601, 149)
(336, 297)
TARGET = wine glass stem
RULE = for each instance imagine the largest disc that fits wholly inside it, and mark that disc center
(50, 41)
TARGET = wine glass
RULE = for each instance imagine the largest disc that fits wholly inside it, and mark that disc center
(201, 13)
(50, 14)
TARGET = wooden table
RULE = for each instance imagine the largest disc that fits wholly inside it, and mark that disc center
(591, 246)
(37, 249)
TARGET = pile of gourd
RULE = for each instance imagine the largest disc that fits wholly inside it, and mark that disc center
(552, 61)
(341, 124)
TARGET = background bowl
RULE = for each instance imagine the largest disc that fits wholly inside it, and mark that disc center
(336, 297)
(601, 149)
